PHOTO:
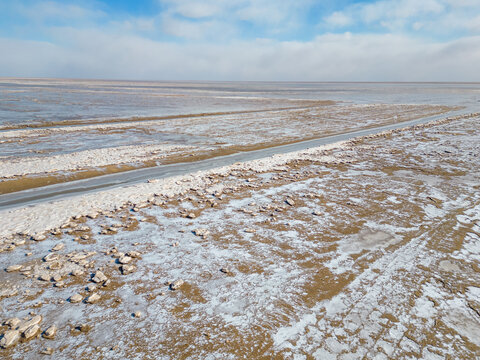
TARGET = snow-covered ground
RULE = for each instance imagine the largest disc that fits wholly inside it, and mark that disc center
(362, 249)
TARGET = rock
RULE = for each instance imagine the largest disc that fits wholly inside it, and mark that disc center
(55, 265)
(75, 298)
(57, 277)
(58, 247)
(201, 232)
(12, 323)
(18, 242)
(51, 257)
(226, 271)
(127, 269)
(44, 277)
(59, 284)
(251, 231)
(10, 338)
(47, 351)
(50, 332)
(191, 216)
(39, 237)
(99, 277)
(13, 268)
(31, 332)
(125, 259)
(316, 213)
(56, 231)
(92, 299)
(27, 324)
(77, 272)
(91, 287)
(177, 284)
(133, 254)
(290, 202)
(137, 314)
(6, 293)
(84, 328)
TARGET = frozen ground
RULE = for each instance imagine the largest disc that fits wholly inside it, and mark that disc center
(365, 249)
(61, 151)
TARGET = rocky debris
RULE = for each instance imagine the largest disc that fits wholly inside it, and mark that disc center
(127, 269)
(201, 232)
(31, 332)
(51, 257)
(81, 256)
(47, 351)
(91, 287)
(10, 247)
(75, 298)
(37, 319)
(125, 259)
(99, 277)
(133, 254)
(60, 284)
(77, 272)
(58, 247)
(38, 237)
(56, 231)
(50, 332)
(9, 339)
(92, 299)
(177, 284)
(19, 242)
(13, 268)
(44, 276)
(8, 292)
(84, 328)
(12, 323)
(290, 202)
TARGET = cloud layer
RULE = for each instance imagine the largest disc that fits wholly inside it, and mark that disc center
(405, 40)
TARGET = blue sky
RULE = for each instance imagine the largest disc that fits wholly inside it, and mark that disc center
(374, 40)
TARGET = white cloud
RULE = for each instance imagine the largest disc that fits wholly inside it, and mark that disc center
(346, 57)
(433, 17)
(338, 19)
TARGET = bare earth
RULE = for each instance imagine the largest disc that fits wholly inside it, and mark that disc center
(363, 249)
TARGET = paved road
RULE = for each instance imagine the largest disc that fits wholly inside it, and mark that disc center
(79, 187)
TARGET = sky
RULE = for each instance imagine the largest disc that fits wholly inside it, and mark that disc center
(251, 40)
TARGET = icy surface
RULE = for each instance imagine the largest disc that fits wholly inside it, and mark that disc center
(365, 249)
